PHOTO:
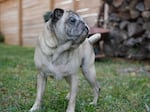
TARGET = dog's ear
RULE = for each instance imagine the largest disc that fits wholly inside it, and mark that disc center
(47, 16)
(57, 14)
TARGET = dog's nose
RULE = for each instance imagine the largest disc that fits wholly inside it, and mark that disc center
(87, 28)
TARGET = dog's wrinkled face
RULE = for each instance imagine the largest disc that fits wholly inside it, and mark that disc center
(75, 28)
(67, 25)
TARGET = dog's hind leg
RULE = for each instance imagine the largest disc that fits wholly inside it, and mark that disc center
(90, 75)
(41, 83)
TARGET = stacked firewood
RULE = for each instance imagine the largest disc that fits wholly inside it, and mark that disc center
(129, 24)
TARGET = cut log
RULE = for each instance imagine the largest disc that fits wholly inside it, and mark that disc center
(134, 30)
(109, 2)
(130, 42)
(123, 25)
(117, 3)
(146, 26)
(140, 21)
(147, 4)
(148, 47)
(147, 34)
(124, 15)
(132, 4)
(129, 23)
(140, 6)
(146, 15)
(134, 14)
(114, 17)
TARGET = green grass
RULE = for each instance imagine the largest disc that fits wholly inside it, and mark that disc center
(129, 92)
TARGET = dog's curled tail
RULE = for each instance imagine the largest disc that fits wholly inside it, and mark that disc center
(94, 38)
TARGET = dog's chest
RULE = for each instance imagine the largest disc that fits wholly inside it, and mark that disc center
(64, 58)
(66, 64)
(68, 59)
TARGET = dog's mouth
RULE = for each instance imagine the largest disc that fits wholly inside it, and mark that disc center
(83, 36)
(78, 29)
(81, 33)
(78, 33)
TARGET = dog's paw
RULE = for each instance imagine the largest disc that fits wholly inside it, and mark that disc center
(34, 109)
(68, 96)
(71, 110)
(93, 103)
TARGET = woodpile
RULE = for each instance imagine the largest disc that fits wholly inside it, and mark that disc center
(129, 24)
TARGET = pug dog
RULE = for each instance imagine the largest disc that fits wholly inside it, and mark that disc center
(62, 48)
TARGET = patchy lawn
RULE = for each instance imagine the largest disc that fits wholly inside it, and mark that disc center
(125, 85)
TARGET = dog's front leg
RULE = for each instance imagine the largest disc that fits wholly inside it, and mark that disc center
(73, 93)
(41, 83)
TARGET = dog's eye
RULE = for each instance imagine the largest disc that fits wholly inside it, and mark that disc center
(72, 20)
